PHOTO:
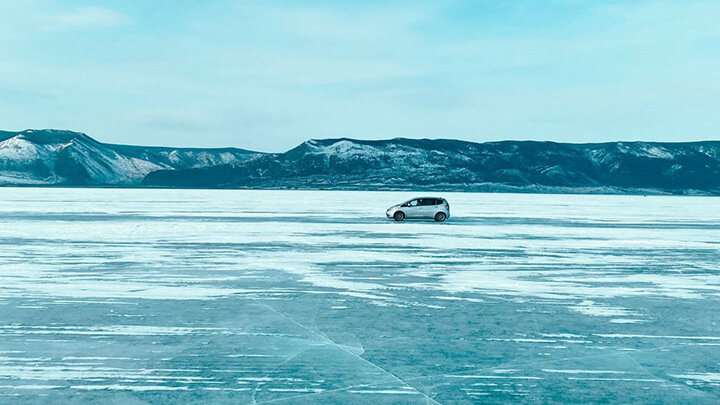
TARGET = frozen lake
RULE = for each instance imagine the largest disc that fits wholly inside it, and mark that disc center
(189, 296)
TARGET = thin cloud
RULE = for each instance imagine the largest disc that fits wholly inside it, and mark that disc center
(84, 17)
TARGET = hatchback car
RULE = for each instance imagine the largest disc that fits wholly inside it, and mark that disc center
(423, 207)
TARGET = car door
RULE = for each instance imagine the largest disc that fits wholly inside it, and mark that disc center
(422, 207)
(428, 207)
(412, 209)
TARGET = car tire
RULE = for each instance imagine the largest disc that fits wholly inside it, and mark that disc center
(440, 217)
(399, 216)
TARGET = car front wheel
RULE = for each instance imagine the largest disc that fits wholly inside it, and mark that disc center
(440, 216)
(399, 216)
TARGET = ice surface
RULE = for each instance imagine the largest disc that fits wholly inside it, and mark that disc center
(182, 296)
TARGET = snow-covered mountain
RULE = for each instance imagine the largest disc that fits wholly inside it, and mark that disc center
(637, 167)
(49, 157)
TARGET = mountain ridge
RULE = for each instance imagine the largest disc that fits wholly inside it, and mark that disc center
(60, 157)
(55, 157)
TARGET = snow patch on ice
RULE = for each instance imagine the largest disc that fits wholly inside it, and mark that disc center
(563, 371)
(704, 377)
(588, 307)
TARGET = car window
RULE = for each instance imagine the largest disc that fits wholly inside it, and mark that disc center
(413, 203)
(438, 202)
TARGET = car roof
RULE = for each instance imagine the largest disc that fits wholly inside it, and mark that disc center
(425, 198)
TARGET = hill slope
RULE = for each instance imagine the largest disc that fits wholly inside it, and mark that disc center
(456, 165)
(49, 157)
(52, 157)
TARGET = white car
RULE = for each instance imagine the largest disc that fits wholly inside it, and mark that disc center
(422, 207)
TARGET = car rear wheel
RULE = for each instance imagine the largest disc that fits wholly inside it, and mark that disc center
(399, 216)
(440, 216)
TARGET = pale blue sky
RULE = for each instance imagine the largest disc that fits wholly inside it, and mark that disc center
(267, 75)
